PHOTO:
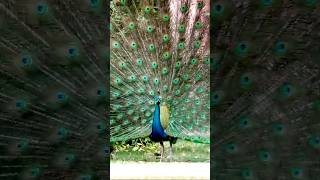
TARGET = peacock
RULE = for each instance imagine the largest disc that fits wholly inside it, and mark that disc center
(53, 93)
(265, 89)
(262, 70)
(159, 71)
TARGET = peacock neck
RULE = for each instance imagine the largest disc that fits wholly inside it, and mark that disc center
(157, 133)
(156, 117)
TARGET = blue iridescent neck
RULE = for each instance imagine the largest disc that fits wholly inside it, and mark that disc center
(157, 133)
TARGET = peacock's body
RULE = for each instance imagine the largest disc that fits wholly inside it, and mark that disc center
(159, 124)
(53, 89)
(160, 48)
(265, 98)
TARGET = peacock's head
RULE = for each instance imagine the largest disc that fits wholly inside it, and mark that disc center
(157, 99)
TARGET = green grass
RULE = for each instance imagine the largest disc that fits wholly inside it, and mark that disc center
(183, 151)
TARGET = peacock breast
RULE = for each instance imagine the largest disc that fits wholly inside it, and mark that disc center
(164, 116)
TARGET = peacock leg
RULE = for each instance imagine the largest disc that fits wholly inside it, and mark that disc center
(171, 155)
(161, 150)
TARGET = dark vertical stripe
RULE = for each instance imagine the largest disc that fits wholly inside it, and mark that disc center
(107, 71)
(211, 90)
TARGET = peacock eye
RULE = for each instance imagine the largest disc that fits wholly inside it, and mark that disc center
(183, 9)
(267, 2)
(150, 29)
(243, 46)
(40, 8)
(147, 10)
(152, 48)
(182, 28)
(281, 46)
(218, 7)
(200, 5)
(314, 141)
(131, 25)
(154, 65)
(198, 25)
(165, 18)
(181, 45)
(288, 89)
(18, 104)
(296, 172)
(246, 173)
(60, 132)
(24, 60)
(94, 1)
(71, 51)
(197, 44)
(116, 45)
(231, 148)
(264, 156)
(165, 37)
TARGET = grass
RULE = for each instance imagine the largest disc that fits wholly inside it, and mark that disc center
(183, 151)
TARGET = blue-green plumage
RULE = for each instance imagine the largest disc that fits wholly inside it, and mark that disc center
(53, 94)
(158, 134)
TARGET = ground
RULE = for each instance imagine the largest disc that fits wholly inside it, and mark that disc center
(183, 151)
